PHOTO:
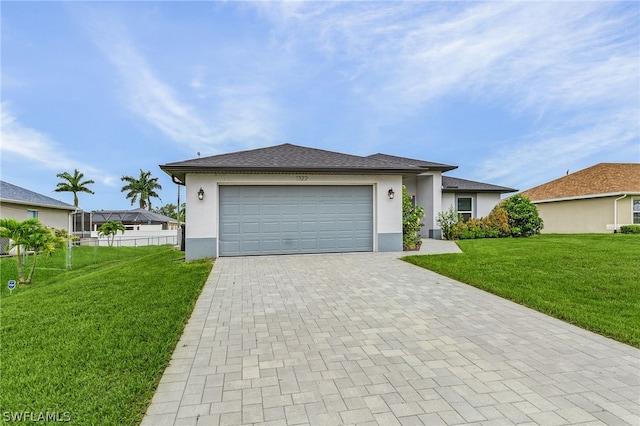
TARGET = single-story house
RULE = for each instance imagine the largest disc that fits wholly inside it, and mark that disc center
(142, 227)
(19, 203)
(293, 199)
(134, 220)
(598, 199)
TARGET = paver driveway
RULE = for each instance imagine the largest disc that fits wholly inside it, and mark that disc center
(369, 339)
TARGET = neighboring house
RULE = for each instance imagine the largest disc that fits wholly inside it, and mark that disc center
(20, 204)
(135, 220)
(139, 223)
(598, 199)
(293, 199)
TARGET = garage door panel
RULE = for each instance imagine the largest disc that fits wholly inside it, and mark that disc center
(289, 209)
(271, 227)
(251, 228)
(309, 209)
(270, 209)
(251, 210)
(295, 219)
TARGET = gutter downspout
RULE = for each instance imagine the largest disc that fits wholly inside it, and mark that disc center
(615, 213)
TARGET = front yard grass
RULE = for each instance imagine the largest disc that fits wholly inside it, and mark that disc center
(91, 344)
(592, 281)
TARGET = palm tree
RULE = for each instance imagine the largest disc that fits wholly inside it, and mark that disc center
(74, 183)
(29, 234)
(109, 229)
(141, 189)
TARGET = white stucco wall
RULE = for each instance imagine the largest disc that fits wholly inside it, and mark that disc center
(485, 203)
(427, 189)
(202, 216)
(49, 217)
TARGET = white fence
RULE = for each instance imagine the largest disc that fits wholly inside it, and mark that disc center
(133, 241)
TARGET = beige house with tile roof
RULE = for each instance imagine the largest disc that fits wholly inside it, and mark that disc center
(598, 199)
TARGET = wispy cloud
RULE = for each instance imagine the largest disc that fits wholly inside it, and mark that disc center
(32, 146)
(524, 162)
(536, 54)
(237, 114)
(570, 69)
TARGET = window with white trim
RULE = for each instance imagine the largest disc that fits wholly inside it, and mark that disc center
(32, 214)
(465, 207)
(636, 211)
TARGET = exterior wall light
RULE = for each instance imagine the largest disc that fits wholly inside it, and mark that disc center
(391, 194)
(201, 194)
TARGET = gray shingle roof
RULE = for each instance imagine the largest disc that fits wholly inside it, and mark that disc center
(129, 216)
(293, 158)
(15, 194)
(428, 165)
(453, 184)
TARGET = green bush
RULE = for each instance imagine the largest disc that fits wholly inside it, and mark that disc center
(516, 216)
(524, 220)
(630, 229)
(411, 221)
(447, 222)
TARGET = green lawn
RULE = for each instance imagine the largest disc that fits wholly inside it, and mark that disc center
(92, 343)
(592, 281)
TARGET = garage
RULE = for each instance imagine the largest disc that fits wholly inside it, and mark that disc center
(281, 219)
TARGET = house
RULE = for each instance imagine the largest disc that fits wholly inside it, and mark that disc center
(20, 204)
(142, 227)
(293, 199)
(598, 199)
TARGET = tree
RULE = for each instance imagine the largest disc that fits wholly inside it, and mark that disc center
(169, 210)
(73, 183)
(524, 220)
(142, 189)
(109, 229)
(29, 234)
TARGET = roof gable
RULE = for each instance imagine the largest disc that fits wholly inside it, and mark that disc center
(453, 184)
(602, 178)
(292, 158)
(413, 162)
(15, 194)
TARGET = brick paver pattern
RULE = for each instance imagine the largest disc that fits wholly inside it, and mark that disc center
(368, 339)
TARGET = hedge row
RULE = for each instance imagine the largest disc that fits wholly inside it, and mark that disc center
(516, 216)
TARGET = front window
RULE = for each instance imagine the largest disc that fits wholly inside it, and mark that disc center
(32, 214)
(636, 210)
(465, 208)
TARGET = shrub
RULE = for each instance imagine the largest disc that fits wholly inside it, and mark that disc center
(63, 233)
(523, 216)
(411, 221)
(447, 222)
(630, 229)
(498, 222)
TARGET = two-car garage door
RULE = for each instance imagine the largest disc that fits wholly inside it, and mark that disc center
(295, 219)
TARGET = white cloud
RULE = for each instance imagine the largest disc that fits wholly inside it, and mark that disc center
(237, 114)
(36, 148)
(541, 55)
(569, 69)
(530, 160)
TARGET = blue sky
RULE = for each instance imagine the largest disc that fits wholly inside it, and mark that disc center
(514, 93)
